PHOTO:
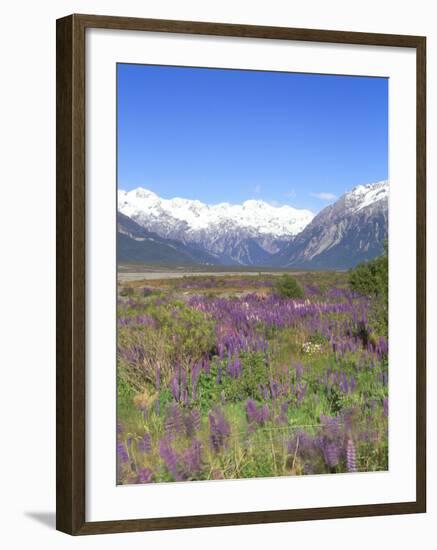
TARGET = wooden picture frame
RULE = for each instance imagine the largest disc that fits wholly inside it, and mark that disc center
(71, 254)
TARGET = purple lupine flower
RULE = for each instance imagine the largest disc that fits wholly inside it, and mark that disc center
(351, 461)
(273, 388)
(122, 453)
(195, 373)
(263, 391)
(282, 418)
(331, 453)
(299, 371)
(174, 422)
(344, 385)
(145, 475)
(144, 320)
(230, 368)
(263, 414)
(331, 425)
(237, 367)
(255, 415)
(182, 377)
(251, 410)
(219, 430)
(184, 396)
(301, 391)
(192, 457)
(187, 420)
(195, 418)
(144, 445)
(349, 419)
(170, 458)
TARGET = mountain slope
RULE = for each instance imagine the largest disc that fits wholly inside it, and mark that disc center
(155, 230)
(246, 234)
(352, 229)
(136, 244)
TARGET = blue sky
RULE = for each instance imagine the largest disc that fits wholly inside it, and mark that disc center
(229, 135)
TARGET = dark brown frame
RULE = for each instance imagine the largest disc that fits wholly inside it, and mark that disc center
(70, 298)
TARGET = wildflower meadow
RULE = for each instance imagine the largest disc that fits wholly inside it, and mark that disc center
(250, 375)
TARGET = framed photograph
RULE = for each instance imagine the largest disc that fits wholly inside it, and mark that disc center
(240, 274)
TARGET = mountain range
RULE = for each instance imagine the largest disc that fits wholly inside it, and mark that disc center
(255, 233)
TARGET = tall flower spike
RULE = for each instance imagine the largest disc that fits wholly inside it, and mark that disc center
(144, 445)
(219, 430)
(251, 410)
(122, 453)
(145, 475)
(169, 457)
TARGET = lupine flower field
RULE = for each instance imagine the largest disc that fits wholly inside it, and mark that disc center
(222, 377)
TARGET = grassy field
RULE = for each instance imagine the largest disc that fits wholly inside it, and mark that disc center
(222, 377)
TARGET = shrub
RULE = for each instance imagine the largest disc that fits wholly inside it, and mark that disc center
(127, 291)
(371, 278)
(288, 287)
(174, 336)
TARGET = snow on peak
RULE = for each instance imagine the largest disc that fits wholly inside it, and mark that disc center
(255, 216)
(362, 196)
(141, 193)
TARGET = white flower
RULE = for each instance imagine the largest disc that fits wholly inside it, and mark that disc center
(310, 348)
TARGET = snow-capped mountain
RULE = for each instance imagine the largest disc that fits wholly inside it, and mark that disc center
(352, 229)
(362, 196)
(247, 233)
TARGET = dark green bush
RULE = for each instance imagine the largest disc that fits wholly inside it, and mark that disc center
(127, 291)
(371, 278)
(288, 287)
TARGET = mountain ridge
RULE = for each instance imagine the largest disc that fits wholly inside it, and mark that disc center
(351, 230)
(234, 233)
(136, 244)
(257, 233)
